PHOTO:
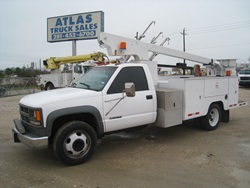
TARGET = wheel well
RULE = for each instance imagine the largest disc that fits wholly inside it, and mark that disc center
(86, 117)
(49, 83)
(220, 104)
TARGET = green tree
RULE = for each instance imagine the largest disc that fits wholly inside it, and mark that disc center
(8, 71)
(1, 74)
(18, 71)
(22, 72)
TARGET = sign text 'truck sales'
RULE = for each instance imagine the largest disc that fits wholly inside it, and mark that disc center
(82, 26)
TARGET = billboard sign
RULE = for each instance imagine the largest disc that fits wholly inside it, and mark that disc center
(82, 26)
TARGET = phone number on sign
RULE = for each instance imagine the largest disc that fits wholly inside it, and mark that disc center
(81, 34)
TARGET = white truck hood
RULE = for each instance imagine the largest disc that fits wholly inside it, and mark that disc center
(44, 98)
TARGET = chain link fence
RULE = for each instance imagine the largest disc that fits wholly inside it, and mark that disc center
(17, 86)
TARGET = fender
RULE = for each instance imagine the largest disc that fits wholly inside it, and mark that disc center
(75, 110)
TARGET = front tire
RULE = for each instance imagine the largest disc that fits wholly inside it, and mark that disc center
(212, 120)
(49, 86)
(75, 143)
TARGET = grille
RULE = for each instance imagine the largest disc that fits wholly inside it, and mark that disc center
(244, 78)
(25, 118)
(24, 111)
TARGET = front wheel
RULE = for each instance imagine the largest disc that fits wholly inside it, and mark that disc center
(212, 120)
(49, 86)
(75, 143)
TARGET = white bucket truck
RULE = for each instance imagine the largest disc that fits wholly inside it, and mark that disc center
(77, 66)
(117, 97)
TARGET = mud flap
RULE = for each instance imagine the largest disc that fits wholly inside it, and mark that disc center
(225, 116)
(15, 136)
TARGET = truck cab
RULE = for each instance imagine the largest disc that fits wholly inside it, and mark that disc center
(105, 99)
(244, 76)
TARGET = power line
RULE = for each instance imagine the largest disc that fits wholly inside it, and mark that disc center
(225, 46)
(175, 33)
(215, 28)
(218, 28)
(222, 25)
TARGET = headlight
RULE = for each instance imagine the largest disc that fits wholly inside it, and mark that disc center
(31, 116)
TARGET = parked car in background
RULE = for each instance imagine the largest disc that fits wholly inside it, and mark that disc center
(244, 77)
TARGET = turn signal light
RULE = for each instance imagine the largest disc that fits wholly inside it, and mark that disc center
(38, 115)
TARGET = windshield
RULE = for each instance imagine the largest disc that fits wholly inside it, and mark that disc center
(95, 79)
(81, 69)
(244, 72)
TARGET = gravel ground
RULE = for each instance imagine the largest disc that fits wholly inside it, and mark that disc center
(180, 156)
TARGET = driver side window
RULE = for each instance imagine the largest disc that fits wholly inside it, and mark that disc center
(129, 74)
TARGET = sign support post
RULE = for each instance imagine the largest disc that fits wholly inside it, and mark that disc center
(73, 47)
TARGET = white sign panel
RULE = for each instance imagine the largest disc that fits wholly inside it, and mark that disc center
(75, 27)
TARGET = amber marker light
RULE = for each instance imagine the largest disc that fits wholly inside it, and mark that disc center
(38, 115)
(123, 45)
(228, 73)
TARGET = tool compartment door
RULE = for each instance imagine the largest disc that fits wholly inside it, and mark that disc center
(233, 92)
(169, 107)
(216, 86)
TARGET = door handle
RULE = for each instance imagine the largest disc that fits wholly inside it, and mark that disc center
(148, 97)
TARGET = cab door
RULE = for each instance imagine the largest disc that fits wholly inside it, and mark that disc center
(120, 111)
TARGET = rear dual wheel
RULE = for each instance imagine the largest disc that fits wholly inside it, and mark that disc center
(75, 143)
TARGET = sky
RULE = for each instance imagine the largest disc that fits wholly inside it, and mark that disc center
(218, 29)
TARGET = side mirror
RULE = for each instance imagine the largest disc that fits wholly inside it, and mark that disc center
(130, 89)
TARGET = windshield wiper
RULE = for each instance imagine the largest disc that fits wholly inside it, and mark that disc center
(88, 86)
(73, 84)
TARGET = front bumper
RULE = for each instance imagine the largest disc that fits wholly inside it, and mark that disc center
(29, 139)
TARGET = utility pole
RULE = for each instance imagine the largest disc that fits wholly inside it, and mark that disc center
(40, 64)
(184, 45)
(184, 48)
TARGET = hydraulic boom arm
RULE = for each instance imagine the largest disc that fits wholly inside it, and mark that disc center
(55, 62)
(139, 50)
